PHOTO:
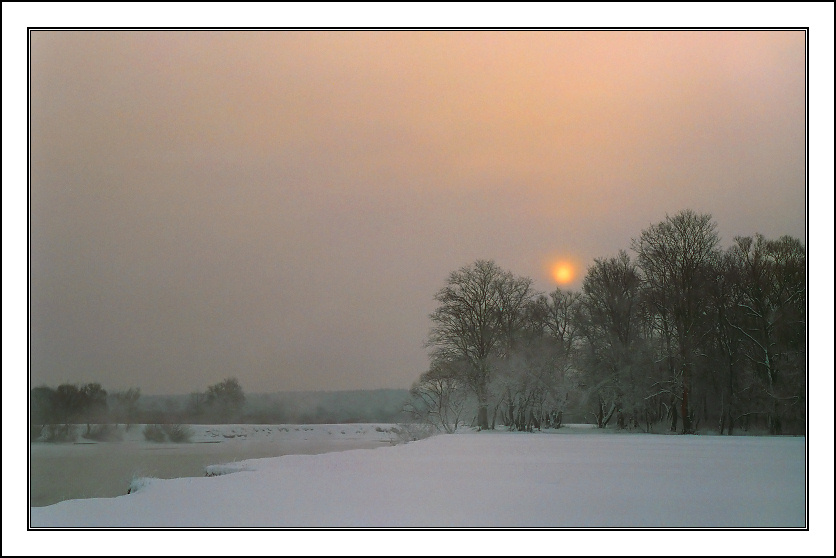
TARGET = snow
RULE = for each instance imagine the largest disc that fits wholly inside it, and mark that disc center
(569, 478)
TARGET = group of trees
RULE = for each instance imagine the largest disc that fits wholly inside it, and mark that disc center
(685, 334)
(55, 411)
(69, 404)
(222, 402)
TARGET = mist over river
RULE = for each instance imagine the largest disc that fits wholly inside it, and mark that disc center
(85, 469)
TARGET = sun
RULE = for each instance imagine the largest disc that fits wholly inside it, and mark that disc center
(563, 272)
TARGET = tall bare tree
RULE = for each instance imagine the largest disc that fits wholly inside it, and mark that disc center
(728, 374)
(677, 257)
(772, 300)
(480, 309)
(610, 320)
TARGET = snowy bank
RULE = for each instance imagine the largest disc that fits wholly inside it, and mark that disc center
(487, 479)
(91, 469)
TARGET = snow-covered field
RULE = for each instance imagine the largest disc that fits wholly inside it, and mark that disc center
(570, 478)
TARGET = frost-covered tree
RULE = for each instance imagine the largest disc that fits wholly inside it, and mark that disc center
(772, 318)
(439, 397)
(535, 377)
(479, 311)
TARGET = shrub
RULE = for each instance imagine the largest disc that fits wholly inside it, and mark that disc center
(59, 433)
(178, 433)
(104, 433)
(35, 431)
(154, 433)
(410, 432)
(138, 483)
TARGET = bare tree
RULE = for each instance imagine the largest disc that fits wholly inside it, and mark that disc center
(439, 397)
(535, 377)
(772, 302)
(610, 317)
(480, 309)
(127, 405)
(728, 373)
(196, 405)
(676, 257)
(226, 399)
(93, 403)
(69, 405)
(42, 410)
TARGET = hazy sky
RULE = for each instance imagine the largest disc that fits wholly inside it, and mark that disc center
(281, 206)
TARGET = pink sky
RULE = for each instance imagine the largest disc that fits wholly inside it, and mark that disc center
(281, 206)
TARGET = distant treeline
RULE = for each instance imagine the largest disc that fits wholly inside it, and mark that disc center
(682, 336)
(290, 407)
(55, 411)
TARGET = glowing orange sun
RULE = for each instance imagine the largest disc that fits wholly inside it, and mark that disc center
(563, 272)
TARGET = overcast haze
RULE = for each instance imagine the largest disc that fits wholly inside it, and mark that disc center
(282, 206)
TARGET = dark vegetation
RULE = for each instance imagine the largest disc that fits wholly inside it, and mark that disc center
(177, 433)
(683, 336)
(70, 410)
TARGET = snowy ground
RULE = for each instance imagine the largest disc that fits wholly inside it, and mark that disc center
(570, 478)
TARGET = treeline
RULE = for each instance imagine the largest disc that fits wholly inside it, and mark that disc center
(54, 413)
(681, 336)
(290, 407)
(331, 407)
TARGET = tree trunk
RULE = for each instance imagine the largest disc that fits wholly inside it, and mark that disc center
(774, 421)
(674, 415)
(609, 415)
(686, 415)
(482, 420)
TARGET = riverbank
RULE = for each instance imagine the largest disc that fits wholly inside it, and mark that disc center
(85, 469)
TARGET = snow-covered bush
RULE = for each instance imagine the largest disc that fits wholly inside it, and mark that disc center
(411, 432)
(137, 484)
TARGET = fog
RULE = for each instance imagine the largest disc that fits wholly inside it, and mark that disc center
(282, 206)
